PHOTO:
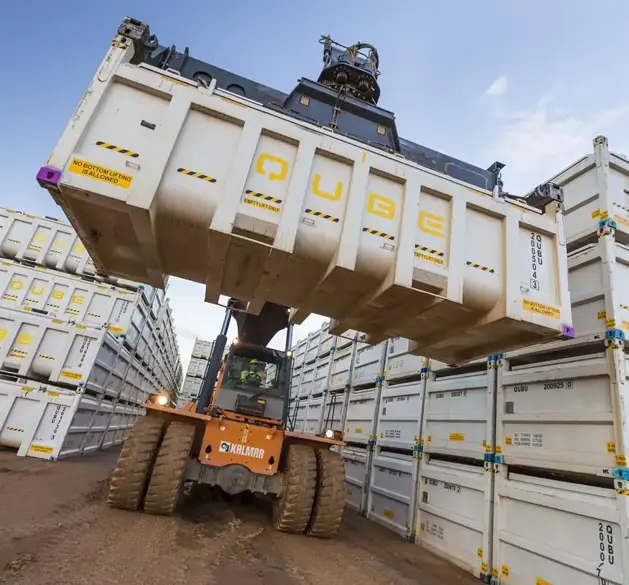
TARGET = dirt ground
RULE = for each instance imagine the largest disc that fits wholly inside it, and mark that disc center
(55, 528)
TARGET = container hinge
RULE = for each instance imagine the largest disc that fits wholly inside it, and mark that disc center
(606, 227)
(371, 444)
(614, 338)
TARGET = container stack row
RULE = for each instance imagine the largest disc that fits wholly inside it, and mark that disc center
(199, 360)
(79, 352)
(515, 467)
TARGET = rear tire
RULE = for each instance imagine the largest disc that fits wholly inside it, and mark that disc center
(128, 482)
(164, 488)
(292, 510)
(329, 501)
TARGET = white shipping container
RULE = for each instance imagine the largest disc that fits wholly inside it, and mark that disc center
(596, 187)
(307, 380)
(341, 369)
(326, 342)
(599, 277)
(299, 415)
(400, 416)
(367, 365)
(295, 382)
(54, 352)
(313, 411)
(300, 353)
(322, 369)
(312, 350)
(48, 422)
(401, 364)
(202, 349)
(65, 297)
(561, 414)
(274, 181)
(458, 413)
(196, 368)
(391, 489)
(556, 532)
(360, 416)
(355, 473)
(44, 241)
(454, 516)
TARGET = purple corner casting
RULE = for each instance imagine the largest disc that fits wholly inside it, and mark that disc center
(567, 330)
(48, 176)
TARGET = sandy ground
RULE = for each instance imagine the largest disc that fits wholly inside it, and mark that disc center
(55, 528)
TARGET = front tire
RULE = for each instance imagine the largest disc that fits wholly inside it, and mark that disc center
(292, 509)
(133, 468)
(164, 488)
(329, 501)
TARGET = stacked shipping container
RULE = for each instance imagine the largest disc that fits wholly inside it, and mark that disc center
(201, 353)
(79, 352)
(518, 470)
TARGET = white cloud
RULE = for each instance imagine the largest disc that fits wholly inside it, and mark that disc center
(538, 142)
(498, 86)
(194, 317)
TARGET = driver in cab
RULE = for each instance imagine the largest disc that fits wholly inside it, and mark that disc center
(252, 376)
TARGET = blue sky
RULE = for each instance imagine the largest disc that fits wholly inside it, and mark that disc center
(528, 83)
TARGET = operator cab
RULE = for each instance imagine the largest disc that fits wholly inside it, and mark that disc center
(255, 382)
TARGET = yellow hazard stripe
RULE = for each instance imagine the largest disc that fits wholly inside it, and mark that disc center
(428, 250)
(114, 148)
(263, 196)
(480, 267)
(378, 233)
(322, 215)
(196, 175)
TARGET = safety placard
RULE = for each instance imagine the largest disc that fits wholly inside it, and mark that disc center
(104, 174)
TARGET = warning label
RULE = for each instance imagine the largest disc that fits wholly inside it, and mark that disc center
(429, 258)
(41, 449)
(68, 374)
(94, 171)
(541, 309)
(262, 205)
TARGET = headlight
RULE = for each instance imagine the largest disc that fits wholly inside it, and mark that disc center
(289, 353)
(162, 400)
(329, 434)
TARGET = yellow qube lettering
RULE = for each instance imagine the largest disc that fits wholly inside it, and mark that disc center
(316, 189)
(37, 292)
(57, 294)
(430, 223)
(78, 300)
(59, 243)
(381, 206)
(39, 238)
(78, 249)
(24, 339)
(16, 285)
(275, 174)
(3, 334)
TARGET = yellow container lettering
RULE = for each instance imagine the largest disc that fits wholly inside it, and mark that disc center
(57, 294)
(381, 206)
(24, 339)
(3, 333)
(78, 300)
(16, 285)
(59, 243)
(39, 238)
(280, 175)
(79, 249)
(316, 189)
(37, 291)
(431, 224)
